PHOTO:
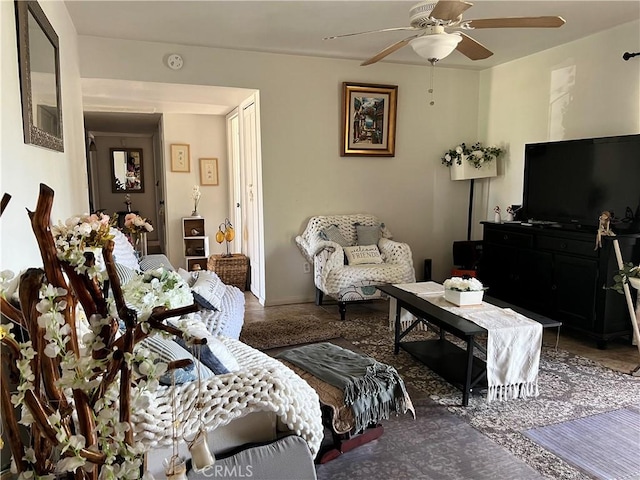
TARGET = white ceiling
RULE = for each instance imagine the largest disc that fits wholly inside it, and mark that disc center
(298, 27)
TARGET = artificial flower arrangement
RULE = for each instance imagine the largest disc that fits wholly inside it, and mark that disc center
(78, 379)
(195, 195)
(477, 155)
(463, 284)
(134, 224)
(155, 288)
(463, 291)
(77, 235)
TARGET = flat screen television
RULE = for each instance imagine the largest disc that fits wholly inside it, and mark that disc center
(572, 182)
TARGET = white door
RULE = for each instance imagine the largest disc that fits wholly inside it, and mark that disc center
(253, 230)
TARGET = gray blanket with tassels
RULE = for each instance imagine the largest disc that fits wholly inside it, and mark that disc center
(372, 389)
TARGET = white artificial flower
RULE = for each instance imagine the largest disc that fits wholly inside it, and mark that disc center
(463, 284)
(70, 464)
(195, 193)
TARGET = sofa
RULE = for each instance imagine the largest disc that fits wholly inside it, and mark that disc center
(226, 320)
(248, 411)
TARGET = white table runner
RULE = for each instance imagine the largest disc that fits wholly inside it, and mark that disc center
(513, 342)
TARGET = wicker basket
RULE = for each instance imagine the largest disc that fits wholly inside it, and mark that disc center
(231, 270)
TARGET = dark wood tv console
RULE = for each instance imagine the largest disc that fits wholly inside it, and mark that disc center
(557, 272)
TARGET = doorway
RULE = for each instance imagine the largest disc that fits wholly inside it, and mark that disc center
(116, 135)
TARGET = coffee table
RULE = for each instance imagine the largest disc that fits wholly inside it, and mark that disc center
(459, 366)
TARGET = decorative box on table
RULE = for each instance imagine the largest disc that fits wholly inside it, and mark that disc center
(231, 270)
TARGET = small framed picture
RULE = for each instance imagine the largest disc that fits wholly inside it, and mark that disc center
(368, 120)
(208, 171)
(180, 158)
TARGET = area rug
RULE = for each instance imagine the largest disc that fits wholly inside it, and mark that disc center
(274, 333)
(571, 387)
(606, 446)
(436, 445)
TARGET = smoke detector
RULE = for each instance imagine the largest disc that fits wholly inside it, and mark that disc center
(175, 61)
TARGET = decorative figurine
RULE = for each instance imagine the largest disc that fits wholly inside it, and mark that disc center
(497, 218)
(510, 214)
(604, 228)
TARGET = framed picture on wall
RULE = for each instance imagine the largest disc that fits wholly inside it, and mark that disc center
(208, 171)
(368, 119)
(180, 159)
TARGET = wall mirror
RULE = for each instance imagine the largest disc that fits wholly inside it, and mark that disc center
(39, 61)
(126, 170)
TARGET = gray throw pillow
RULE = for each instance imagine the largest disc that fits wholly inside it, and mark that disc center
(332, 233)
(368, 235)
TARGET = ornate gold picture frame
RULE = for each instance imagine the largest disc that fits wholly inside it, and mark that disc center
(368, 119)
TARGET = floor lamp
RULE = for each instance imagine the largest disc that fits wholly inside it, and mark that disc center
(466, 171)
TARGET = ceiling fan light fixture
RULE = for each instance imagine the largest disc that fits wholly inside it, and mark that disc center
(437, 46)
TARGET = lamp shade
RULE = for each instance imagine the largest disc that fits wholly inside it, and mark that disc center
(435, 46)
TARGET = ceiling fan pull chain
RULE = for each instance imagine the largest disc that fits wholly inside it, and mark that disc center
(430, 90)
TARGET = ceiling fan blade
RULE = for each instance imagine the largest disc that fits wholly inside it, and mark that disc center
(449, 9)
(472, 48)
(388, 51)
(373, 31)
(518, 22)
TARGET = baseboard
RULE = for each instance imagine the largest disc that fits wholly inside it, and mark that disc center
(288, 301)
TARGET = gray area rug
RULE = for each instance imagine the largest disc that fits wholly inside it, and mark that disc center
(606, 446)
(571, 387)
(436, 445)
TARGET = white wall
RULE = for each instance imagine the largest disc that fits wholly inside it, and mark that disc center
(303, 173)
(206, 137)
(578, 90)
(23, 167)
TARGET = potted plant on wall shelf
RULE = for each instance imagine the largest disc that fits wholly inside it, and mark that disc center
(468, 162)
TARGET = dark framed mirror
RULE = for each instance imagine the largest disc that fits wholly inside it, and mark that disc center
(39, 62)
(126, 170)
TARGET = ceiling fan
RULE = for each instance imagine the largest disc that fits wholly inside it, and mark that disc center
(432, 19)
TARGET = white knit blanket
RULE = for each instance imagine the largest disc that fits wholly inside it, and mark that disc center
(262, 384)
(513, 343)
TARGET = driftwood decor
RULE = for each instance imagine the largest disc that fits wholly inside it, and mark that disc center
(68, 397)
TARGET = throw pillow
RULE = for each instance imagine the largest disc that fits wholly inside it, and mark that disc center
(169, 351)
(213, 358)
(123, 252)
(189, 277)
(125, 274)
(208, 290)
(191, 325)
(368, 235)
(332, 234)
(155, 261)
(362, 254)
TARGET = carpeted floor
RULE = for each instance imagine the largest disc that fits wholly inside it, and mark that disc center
(571, 387)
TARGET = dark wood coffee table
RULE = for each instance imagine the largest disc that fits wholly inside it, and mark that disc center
(459, 366)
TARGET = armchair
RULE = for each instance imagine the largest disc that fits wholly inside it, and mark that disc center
(352, 283)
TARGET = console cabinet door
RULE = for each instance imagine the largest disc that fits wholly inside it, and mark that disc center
(534, 281)
(574, 286)
(498, 270)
